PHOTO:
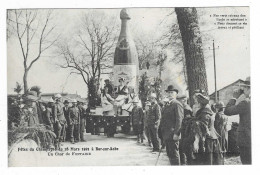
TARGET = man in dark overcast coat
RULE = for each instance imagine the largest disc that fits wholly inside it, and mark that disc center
(172, 116)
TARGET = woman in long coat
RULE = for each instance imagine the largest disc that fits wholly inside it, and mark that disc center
(209, 150)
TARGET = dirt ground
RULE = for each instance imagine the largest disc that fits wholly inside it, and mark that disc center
(122, 150)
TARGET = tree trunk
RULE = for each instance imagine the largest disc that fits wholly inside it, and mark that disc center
(191, 38)
(92, 93)
(25, 84)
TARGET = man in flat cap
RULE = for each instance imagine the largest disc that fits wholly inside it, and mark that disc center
(146, 129)
(153, 121)
(172, 116)
(66, 115)
(74, 117)
(242, 106)
(184, 152)
(83, 115)
(59, 119)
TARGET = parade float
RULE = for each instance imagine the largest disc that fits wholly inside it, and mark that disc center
(125, 82)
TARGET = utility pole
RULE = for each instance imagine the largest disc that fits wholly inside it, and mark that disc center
(215, 74)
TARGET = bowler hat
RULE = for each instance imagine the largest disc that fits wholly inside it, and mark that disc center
(171, 88)
(202, 99)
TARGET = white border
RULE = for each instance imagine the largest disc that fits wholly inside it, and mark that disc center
(255, 63)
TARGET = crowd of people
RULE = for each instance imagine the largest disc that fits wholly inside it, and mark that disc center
(197, 135)
(66, 121)
(191, 136)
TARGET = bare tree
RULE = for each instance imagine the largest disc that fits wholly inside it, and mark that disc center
(34, 35)
(91, 51)
(192, 42)
(172, 39)
(145, 50)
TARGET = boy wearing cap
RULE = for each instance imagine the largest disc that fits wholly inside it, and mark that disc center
(171, 121)
(137, 116)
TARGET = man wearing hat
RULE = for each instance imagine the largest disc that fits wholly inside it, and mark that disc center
(172, 116)
(30, 101)
(47, 114)
(59, 119)
(242, 106)
(153, 121)
(66, 115)
(74, 121)
(83, 115)
(137, 116)
(146, 114)
(184, 153)
(38, 105)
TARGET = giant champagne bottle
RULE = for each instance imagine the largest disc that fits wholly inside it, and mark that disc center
(126, 59)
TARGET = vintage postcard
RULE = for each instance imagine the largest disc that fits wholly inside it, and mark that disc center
(128, 86)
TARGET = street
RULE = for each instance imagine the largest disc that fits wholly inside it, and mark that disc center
(122, 150)
(125, 151)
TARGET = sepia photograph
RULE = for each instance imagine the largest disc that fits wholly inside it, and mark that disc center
(128, 86)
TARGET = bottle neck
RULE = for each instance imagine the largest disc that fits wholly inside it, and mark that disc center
(124, 28)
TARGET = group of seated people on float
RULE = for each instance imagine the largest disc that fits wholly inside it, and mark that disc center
(124, 96)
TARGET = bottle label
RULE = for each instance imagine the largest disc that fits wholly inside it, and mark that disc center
(127, 72)
(123, 44)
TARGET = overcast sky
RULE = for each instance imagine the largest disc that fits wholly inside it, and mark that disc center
(233, 58)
